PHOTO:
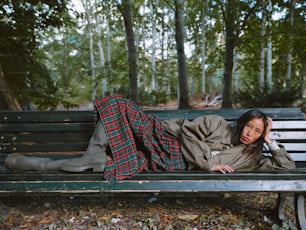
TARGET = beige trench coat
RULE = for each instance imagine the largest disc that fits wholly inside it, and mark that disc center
(206, 141)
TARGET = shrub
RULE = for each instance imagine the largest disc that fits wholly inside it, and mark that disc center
(264, 97)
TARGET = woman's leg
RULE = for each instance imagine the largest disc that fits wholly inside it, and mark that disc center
(95, 156)
(17, 161)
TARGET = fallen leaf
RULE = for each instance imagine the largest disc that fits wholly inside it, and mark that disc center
(151, 210)
(187, 217)
(9, 220)
(26, 226)
(166, 218)
(45, 220)
(115, 214)
(105, 218)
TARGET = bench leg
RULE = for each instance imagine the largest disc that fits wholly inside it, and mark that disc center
(280, 207)
(299, 201)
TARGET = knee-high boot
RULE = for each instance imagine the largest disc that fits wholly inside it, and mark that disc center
(17, 161)
(95, 156)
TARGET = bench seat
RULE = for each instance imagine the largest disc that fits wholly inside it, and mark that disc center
(62, 134)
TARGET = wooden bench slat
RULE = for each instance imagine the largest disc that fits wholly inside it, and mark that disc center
(85, 135)
(46, 137)
(61, 144)
(156, 186)
(289, 125)
(46, 147)
(191, 116)
(168, 175)
(87, 116)
(46, 116)
(46, 127)
(295, 135)
(285, 125)
(294, 146)
(299, 156)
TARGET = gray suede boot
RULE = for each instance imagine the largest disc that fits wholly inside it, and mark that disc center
(16, 161)
(95, 156)
(55, 165)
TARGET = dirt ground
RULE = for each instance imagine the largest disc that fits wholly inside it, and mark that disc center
(223, 211)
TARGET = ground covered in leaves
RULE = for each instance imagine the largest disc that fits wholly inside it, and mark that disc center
(224, 211)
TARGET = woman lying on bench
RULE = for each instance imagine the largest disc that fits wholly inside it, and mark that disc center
(127, 141)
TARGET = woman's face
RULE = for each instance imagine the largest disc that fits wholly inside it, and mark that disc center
(252, 130)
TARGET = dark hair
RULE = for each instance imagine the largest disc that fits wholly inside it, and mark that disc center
(239, 125)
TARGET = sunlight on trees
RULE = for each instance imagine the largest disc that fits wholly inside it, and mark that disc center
(66, 53)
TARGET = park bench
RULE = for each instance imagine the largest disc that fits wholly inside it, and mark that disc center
(66, 133)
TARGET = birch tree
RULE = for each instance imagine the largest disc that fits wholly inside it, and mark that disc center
(89, 16)
(261, 77)
(269, 45)
(289, 54)
(101, 55)
(182, 71)
(108, 56)
(154, 44)
(203, 26)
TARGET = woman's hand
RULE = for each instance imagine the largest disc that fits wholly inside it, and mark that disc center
(269, 127)
(222, 168)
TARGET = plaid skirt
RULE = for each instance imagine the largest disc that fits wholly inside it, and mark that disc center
(137, 140)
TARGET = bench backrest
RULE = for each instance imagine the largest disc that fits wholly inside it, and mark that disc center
(70, 131)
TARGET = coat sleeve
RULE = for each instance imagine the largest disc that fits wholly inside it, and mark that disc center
(202, 136)
(280, 159)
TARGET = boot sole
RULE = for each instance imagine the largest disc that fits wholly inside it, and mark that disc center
(95, 168)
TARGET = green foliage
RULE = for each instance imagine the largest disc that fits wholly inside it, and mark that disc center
(152, 99)
(255, 96)
(46, 58)
(27, 76)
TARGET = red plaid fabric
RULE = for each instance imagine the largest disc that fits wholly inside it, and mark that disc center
(137, 140)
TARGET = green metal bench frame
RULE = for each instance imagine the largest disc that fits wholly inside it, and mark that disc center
(66, 134)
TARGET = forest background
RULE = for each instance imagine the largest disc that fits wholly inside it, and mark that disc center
(65, 53)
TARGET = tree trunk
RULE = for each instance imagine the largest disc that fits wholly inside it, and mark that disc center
(7, 94)
(289, 54)
(269, 46)
(302, 89)
(92, 66)
(109, 58)
(153, 58)
(203, 26)
(230, 44)
(182, 72)
(88, 11)
(235, 70)
(141, 42)
(125, 9)
(261, 77)
(101, 56)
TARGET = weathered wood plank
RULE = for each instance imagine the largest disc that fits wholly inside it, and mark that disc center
(40, 127)
(155, 186)
(87, 116)
(45, 147)
(47, 137)
(287, 125)
(46, 116)
(294, 135)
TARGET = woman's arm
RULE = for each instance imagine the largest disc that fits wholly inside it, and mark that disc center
(280, 158)
(267, 138)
